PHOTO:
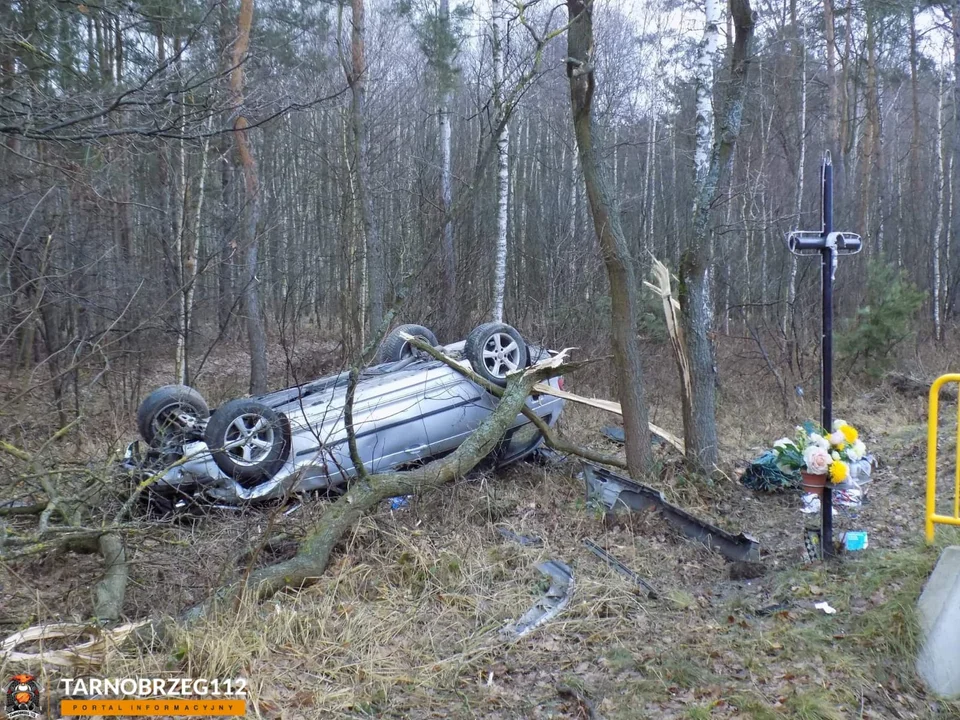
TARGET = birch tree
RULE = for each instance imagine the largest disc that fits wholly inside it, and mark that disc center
(938, 222)
(710, 161)
(503, 169)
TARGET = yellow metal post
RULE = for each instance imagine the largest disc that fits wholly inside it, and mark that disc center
(932, 422)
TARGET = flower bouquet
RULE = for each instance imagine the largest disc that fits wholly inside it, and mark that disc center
(820, 455)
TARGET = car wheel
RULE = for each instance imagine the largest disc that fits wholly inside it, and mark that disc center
(396, 348)
(171, 413)
(248, 441)
(494, 350)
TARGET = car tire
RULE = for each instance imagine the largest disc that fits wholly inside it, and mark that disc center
(395, 347)
(157, 416)
(495, 349)
(248, 440)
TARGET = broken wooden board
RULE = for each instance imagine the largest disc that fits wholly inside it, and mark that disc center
(609, 406)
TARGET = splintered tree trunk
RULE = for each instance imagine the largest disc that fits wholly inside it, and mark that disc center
(699, 413)
(251, 292)
(613, 244)
(503, 168)
(373, 258)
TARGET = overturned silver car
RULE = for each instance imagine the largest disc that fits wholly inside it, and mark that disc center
(408, 409)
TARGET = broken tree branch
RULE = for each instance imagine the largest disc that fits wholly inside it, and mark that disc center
(551, 438)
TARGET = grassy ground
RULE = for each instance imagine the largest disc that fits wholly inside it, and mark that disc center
(406, 622)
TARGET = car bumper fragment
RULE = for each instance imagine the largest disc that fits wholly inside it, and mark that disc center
(612, 490)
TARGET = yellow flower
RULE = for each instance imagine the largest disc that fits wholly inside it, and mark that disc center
(849, 433)
(838, 471)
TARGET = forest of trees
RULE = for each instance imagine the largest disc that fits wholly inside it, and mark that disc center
(182, 174)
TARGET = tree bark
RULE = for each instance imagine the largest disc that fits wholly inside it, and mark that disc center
(256, 334)
(939, 198)
(699, 411)
(374, 276)
(613, 244)
(447, 251)
(833, 97)
(954, 217)
(503, 169)
(798, 203)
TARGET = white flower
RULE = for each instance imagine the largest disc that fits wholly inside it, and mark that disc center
(838, 423)
(783, 443)
(835, 455)
(817, 460)
(819, 441)
(837, 439)
(856, 451)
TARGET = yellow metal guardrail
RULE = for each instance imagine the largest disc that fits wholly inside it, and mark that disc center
(932, 424)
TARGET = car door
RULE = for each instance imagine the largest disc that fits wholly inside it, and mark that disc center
(452, 407)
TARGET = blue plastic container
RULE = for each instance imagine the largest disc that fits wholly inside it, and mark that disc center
(855, 540)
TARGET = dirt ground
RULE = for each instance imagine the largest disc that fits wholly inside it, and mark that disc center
(406, 622)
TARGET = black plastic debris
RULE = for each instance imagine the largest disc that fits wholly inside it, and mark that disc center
(612, 490)
(765, 475)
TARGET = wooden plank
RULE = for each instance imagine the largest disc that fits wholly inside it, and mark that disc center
(609, 406)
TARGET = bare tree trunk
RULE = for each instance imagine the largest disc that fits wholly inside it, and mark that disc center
(833, 96)
(251, 292)
(798, 203)
(503, 169)
(227, 216)
(938, 215)
(954, 216)
(374, 276)
(613, 244)
(699, 412)
(447, 250)
(190, 275)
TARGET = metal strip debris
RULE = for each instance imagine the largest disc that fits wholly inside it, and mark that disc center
(525, 540)
(549, 606)
(611, 490)
(620, 567)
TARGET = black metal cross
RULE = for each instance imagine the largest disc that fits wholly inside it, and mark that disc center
(828, 245)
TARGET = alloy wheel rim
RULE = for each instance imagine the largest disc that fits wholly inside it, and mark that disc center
(249, 439)
(501, 354)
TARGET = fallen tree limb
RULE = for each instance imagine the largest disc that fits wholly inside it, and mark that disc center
(314, 553)
(35, 509)
(109, 593)
(551, 438)
(86, 653)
